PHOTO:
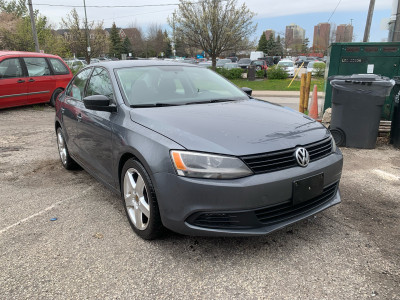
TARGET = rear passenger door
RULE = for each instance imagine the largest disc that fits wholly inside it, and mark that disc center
(41, 83)
(13, 86)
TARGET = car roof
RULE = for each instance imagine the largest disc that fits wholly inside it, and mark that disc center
(23, 53)
(118, 64)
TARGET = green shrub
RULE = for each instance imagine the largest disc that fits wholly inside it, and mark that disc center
(276, 72)
(260, 74)
(230, 74)
(319, 69)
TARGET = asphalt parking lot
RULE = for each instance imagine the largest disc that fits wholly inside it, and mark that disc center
(350, 251)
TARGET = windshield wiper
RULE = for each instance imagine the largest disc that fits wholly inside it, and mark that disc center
(159, 104)
(210, 101)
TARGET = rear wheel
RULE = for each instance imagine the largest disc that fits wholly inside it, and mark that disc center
(54, 96)
(258, 68)
(140, 201)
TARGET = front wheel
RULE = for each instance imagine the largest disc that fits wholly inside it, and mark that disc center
(66, 159)
(54, 96)
(258, 68)
(140, 201)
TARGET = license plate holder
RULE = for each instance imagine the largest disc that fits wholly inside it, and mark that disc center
(307, 188)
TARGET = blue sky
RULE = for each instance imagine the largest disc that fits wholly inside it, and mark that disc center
(270, 13)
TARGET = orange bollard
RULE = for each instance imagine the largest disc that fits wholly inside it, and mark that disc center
(314, 105)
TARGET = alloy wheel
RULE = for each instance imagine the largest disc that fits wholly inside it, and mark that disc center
(62, 150)
(136, 201)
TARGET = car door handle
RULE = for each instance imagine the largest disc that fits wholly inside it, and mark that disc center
(79, 117)
(31, 80)
(20, 81)
(62, 110)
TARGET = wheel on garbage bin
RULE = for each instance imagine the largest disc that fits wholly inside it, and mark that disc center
(339, 136)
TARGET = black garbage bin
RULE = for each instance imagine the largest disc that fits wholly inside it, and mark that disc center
(395, 128)
(251, 73)
(357, 102)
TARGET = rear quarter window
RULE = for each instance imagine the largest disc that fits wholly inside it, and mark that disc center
(58, 66)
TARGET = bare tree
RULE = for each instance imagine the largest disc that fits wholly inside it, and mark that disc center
(77, 38)
(214, 26)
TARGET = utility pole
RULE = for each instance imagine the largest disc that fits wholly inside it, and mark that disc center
(394, 24)
(369, 20)
(87, 32)
(173, 35)
(34, 32)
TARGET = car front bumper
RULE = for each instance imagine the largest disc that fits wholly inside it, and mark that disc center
(253, 205)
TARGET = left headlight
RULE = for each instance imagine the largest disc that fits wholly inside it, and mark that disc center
(203, 165)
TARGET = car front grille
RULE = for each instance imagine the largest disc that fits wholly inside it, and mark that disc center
(261, 217)
(285, 211)
(283, 159)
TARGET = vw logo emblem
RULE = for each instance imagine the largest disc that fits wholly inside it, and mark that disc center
(302, 157)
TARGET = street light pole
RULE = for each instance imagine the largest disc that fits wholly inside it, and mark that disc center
(87, 32)
(34, 33)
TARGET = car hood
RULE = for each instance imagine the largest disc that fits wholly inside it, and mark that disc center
(234, 128)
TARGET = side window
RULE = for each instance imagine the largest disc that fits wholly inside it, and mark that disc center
(58, 67)
(10, 68)
(37, 66)
(100, 84)
(76, 88)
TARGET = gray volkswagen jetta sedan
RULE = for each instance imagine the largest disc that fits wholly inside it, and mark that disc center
(189, 151)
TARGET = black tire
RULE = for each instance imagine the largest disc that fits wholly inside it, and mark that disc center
(258, 68)
(66, 161)
(153, 227)
(54, 96)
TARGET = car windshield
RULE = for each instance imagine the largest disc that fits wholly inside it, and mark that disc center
(311, 64)
(221, 62)
(174, 85)
(257, 62)
(231, 66)
(285, 64)
(244, 61)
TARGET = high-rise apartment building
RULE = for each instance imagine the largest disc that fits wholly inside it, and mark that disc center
(268, 33)
(321, 37)
(344, 33)
(294, 36)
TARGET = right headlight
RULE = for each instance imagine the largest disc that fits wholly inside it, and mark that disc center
(333, 144)
(203, 165)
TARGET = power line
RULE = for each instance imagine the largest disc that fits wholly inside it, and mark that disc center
(106, 6)
(146, 13)
(334, 10)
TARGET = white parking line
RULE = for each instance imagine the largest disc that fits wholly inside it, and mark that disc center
(386, 175)
(43, 211)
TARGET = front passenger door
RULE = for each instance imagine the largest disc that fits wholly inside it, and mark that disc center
(71, 109)
(94, 129)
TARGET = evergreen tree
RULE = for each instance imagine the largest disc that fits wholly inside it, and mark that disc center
(126, 46)
(168, 48)
(262, 43)
(304, 46)
(115, 42)
(279, 46)
(270, 46)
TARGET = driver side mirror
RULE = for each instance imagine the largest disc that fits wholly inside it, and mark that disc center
(99, 103)
(247, 90)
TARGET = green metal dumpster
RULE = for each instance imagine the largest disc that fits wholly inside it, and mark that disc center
(361, 58)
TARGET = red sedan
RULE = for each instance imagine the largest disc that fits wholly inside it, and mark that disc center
(29, 78)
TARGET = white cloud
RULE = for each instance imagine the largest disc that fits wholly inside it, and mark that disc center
(292, 7)
(146, 15)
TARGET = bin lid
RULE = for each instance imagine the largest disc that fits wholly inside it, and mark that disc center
(363, 83)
